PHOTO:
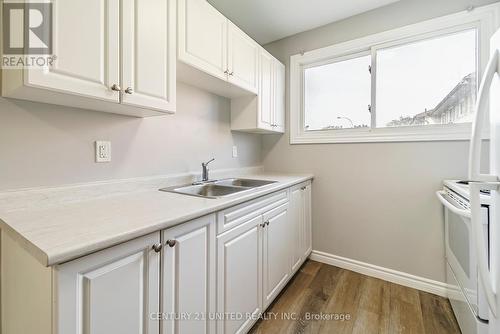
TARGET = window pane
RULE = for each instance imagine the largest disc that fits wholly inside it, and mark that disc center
(427, 82)
(337, 95)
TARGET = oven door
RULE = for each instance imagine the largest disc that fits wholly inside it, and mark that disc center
(461, 255)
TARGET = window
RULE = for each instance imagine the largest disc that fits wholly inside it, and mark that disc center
(427, 82)
(414, 83)
(337, 95)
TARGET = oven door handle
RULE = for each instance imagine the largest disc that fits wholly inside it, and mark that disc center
(463, 213)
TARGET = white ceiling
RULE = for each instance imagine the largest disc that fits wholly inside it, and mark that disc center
(270, 20)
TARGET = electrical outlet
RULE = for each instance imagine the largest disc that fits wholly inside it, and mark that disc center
(235, 151)
(102, 151)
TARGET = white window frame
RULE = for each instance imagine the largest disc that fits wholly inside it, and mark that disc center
(484, 19)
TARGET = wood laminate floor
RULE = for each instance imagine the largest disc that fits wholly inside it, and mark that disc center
(326, 299)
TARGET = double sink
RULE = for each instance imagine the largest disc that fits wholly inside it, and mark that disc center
(218, 188)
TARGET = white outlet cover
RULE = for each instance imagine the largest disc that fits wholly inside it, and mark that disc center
(235, 151)
(102, 151)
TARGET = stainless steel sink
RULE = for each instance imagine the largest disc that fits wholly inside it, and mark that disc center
(206, 190)
(247, 183)
(219, 188)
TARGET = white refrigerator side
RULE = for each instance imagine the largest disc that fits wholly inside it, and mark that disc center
(495, 195)
(488, 95)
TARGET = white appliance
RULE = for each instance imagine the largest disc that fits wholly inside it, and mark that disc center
(467, 297)
(488, 268)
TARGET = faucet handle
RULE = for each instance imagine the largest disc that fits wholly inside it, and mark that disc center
(206, 163)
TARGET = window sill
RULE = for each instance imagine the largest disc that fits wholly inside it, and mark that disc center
(402, 134)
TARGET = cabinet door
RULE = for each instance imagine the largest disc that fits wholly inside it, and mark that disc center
(239, 272)
(279, 97)
(202, 37)
(112, 291)
(148, 54)
(266, 102)
(296, 227)
(189, 276)
(307, 242)
(276, 253)
(86, 43)
(243, 59)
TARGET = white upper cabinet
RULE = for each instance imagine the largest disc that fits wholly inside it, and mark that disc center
(243, 59)
(96, 70)
(279, 97)
(86, 43)
(148, 54)
(202, 37)
(215, 55)
(264, 113)
(266, 102)
(212, 51)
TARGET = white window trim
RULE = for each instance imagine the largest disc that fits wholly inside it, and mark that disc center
(485, 19)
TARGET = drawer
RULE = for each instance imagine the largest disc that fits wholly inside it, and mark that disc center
(232, 217)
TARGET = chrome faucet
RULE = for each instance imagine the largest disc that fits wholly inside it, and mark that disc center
(204, 166)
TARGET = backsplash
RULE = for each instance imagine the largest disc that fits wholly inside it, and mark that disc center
(45, 145)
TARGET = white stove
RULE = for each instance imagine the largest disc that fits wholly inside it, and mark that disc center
(465, 291)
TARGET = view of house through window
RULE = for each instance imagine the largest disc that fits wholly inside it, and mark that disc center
(431, 81)
(427, 82)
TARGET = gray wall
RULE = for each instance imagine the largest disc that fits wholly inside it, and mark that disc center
(375, 202)
(46, 145)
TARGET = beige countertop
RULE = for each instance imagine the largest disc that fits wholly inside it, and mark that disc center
(66, 230)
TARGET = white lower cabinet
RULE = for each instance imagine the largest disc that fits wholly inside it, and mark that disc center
(239, 270)
(276, 249)
(295, 226)
(111, 291)
(300, 221)
(188, 267)
(307, 202)
(214, 274)
(257, 257)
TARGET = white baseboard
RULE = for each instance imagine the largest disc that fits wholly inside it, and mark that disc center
(398, 277)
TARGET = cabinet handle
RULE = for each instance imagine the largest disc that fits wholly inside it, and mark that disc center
(267, 223)
(231, 73)
(263, 225)
(116, 88)
(129, 90)
(171, 243)
(303, 188)
(157, 247)
(226, 72)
